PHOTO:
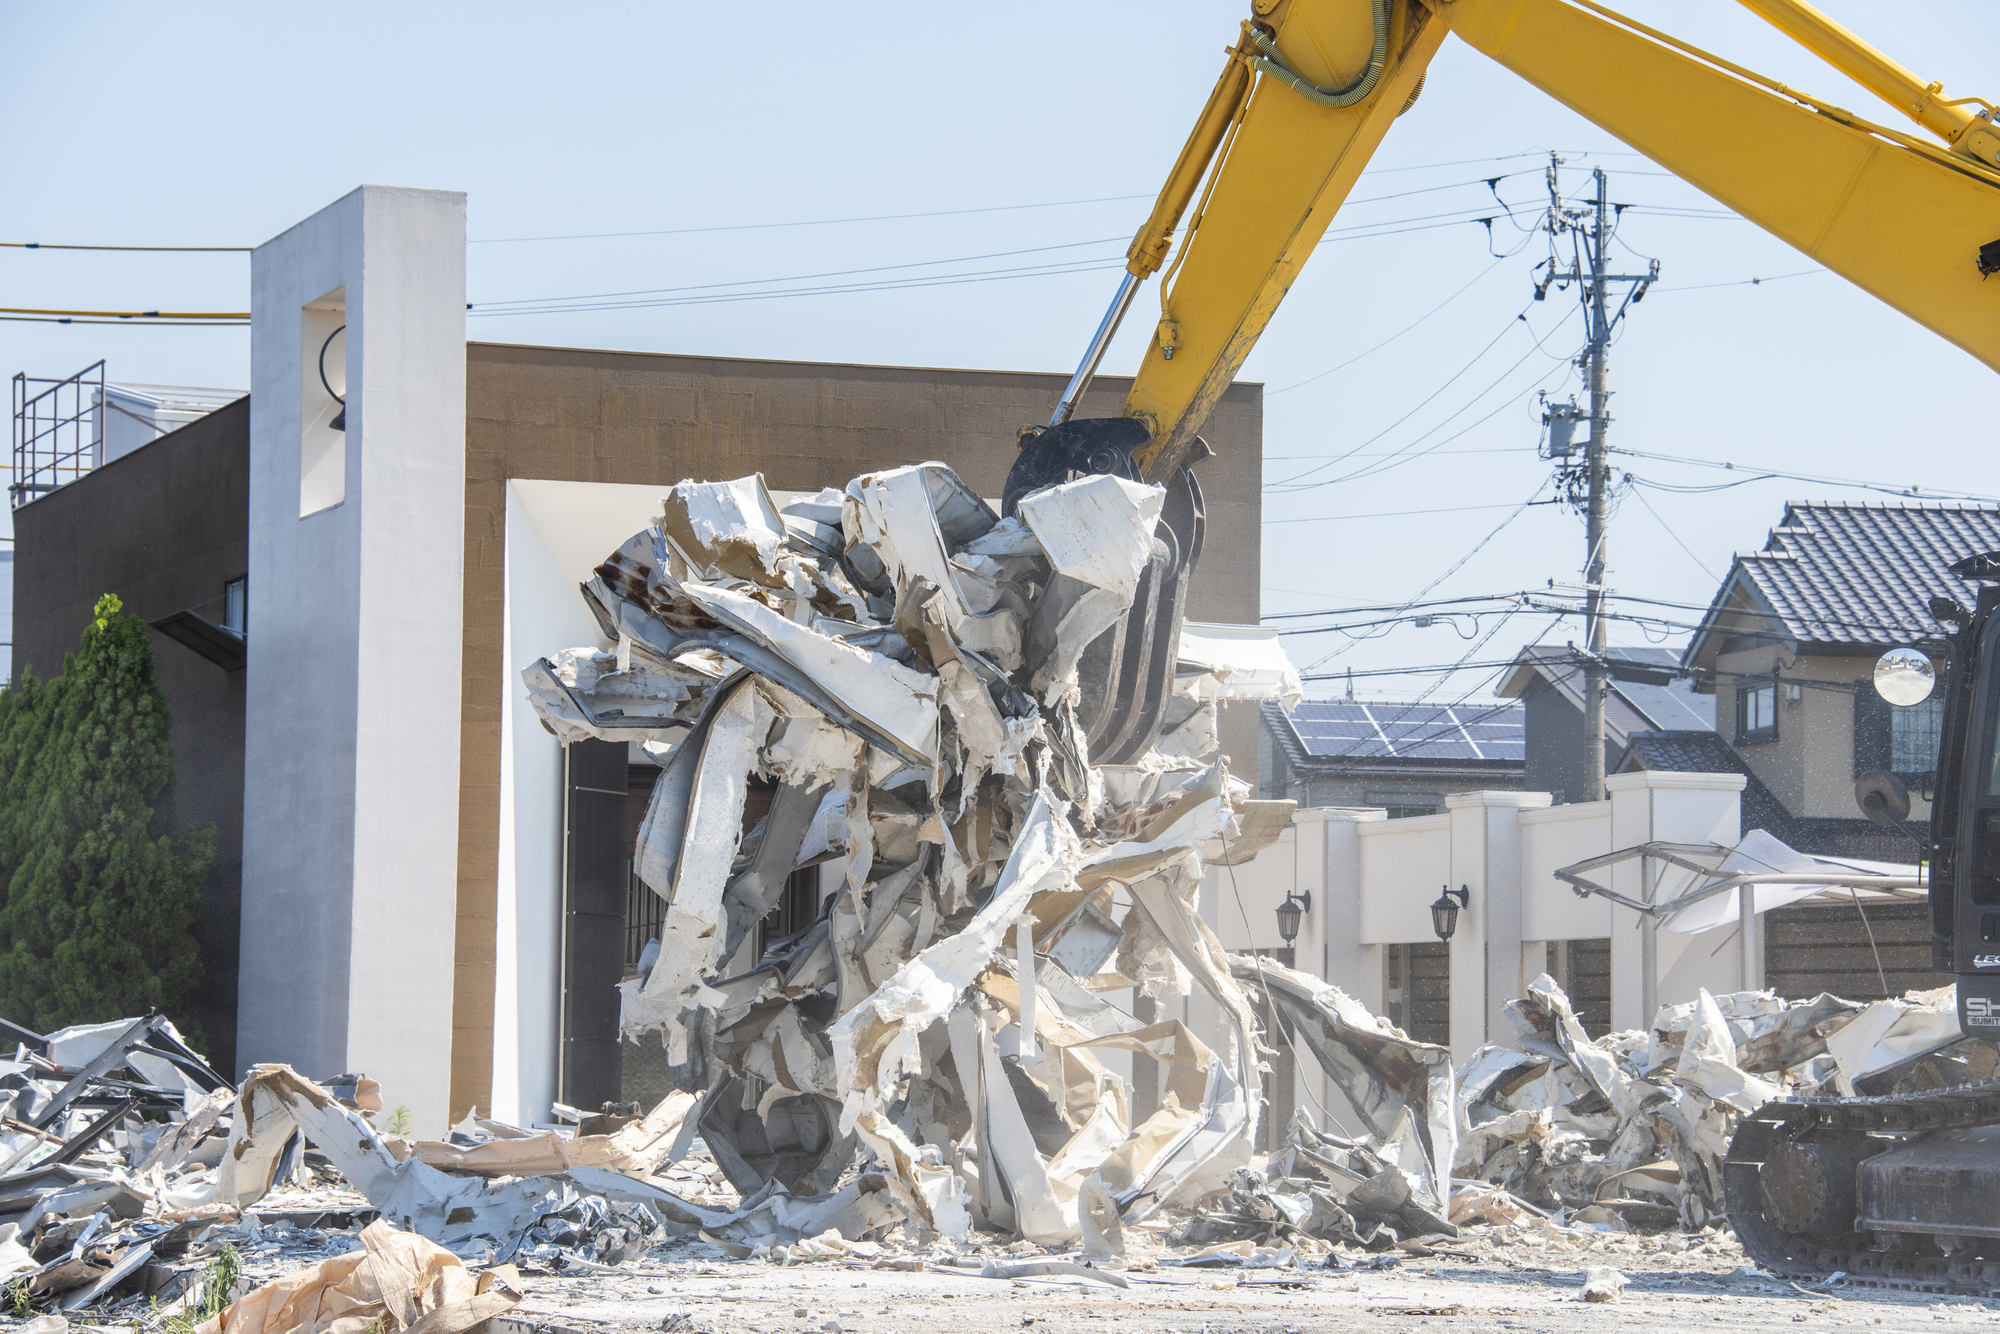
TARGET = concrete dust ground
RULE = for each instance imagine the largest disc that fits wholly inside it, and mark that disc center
(1488, 1283)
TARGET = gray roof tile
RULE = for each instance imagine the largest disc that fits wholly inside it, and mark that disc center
(1862, 573)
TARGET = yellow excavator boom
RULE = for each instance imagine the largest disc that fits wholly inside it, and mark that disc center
(1915, 222)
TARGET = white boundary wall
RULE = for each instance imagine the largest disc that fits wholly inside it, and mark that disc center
(1372, 882)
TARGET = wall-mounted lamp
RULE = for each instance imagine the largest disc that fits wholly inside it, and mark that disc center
(339, 422)
(1291, 913)
(1444, 913)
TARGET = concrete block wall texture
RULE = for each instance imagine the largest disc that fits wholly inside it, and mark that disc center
(352, 705)
(165, 528)
(577, 415)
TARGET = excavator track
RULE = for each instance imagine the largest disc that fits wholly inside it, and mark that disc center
(1913, 1263)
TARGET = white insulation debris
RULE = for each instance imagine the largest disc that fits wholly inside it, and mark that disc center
(901, 667)
(1637, 1124)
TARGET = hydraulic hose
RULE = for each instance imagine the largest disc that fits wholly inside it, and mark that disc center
(1273, 64)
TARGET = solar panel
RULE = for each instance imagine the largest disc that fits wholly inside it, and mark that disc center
(1418, 731)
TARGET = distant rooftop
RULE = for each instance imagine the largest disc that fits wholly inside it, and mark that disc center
(1632, 706)
(65, 428)
(1849, 574)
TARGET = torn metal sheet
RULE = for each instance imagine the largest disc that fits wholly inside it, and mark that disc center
(726, 529)
(1396, 1086)
(1701, 885)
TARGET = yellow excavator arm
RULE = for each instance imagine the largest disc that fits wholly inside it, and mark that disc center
(1311, 87)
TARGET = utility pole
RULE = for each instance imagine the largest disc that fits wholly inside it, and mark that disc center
(1589, 487)
(1595, 679)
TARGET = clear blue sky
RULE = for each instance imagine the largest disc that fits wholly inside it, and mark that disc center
(225, 123)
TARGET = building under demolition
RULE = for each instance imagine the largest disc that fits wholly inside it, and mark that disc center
(430, 888)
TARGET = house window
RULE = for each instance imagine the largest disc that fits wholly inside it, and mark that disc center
(1913, 736)
(236, 605)
(1756, 713)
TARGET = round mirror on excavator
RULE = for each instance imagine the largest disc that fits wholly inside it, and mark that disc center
(1903, 677)
(1882, 797)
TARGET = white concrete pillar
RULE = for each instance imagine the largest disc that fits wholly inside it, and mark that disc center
(1486, 948)
(1647, 807)
(350, 843)
(1330, 866)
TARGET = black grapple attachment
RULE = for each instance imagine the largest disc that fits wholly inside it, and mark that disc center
(1126, 674)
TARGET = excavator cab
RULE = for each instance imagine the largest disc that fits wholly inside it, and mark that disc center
(1903, 1189)
(1964, 849)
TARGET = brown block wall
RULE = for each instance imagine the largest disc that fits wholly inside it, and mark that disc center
(164, 527)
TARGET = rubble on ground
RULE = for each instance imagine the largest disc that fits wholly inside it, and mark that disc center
(253, 1208)
(1634, 1127)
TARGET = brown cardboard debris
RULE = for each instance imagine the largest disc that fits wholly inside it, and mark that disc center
(398, 1282)
(636, 1149)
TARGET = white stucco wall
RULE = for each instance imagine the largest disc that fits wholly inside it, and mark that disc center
(557, 533)
(1671, 808)
(1372, 882)
(1562, 836)
(350, 844)
(1404, 863)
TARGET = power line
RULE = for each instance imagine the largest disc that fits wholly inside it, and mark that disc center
(1454, 568)
(182, 249)
(1405, 454)
(1296, 483)
(793, 278)
(129, 324)
(1421, 670)
(831, 289)
(1519, 317)
(1403, 514)
(809, 222)
(1386, 606)
(1740, 282)
(1763, 474)
(963, 212)
(1668, 529)
(1272, 393)
(132, 314)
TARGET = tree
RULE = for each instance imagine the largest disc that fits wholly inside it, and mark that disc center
(101, 889)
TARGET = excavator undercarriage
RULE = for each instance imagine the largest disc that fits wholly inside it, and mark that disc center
(1900, 1191)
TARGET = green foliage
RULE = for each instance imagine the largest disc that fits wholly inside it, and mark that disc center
(99, 891)
(217, 1280)
(399, 1121)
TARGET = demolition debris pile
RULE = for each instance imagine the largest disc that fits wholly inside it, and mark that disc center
(922, 682)
(1635, 1126)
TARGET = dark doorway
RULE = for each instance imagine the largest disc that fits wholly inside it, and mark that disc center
(1416, 981)
(1582, 968)
(596, 859)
